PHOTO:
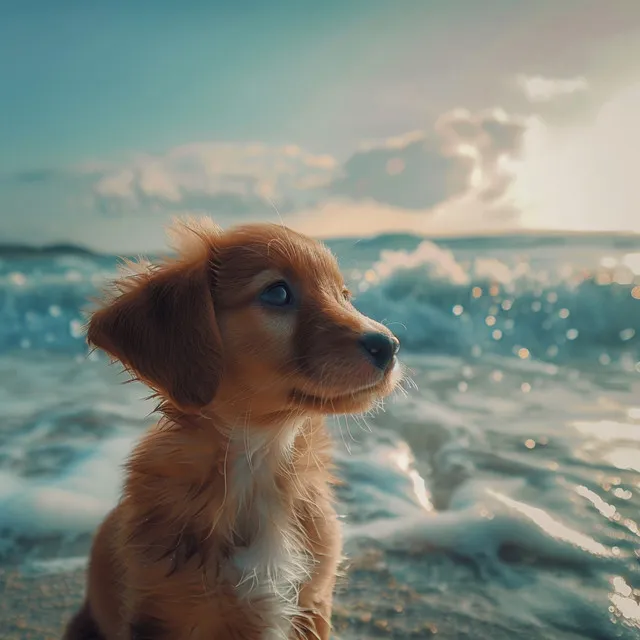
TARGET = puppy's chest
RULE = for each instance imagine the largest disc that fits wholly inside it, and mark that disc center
(269, 561)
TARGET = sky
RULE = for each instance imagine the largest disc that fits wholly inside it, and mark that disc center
(339, 118)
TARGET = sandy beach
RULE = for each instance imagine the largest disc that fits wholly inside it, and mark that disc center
(371, 603)
(37, 607)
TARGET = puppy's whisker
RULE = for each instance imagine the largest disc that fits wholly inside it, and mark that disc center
(338, 420)
(391, 324)
(346, 424)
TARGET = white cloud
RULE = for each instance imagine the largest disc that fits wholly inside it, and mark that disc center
(449, 179)
(199, 175)
(409, 176)
(493, 138)
(119, 184)
(452, 180)
(464, 153)
(542, 89)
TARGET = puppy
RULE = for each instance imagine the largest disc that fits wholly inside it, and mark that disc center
(226, 528)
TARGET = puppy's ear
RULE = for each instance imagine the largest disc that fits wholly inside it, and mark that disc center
(162, 327)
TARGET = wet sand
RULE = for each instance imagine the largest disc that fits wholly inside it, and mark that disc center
(370, 603)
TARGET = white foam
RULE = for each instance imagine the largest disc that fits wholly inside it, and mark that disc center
(481, 521)
(55, 565)
(73, 503)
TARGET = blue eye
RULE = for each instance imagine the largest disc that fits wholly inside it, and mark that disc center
(277, 295)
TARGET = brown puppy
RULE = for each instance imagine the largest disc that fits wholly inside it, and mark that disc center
(226, 528)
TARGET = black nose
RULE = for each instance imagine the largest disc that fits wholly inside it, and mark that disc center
(380, 347)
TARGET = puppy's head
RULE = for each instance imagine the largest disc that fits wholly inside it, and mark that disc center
(257, 318)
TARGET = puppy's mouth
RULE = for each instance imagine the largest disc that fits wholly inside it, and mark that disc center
(329, 400)
(346, 400)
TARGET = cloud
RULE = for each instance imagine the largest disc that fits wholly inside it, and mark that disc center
(413, 174)
(542, 89)
(464, 153)
(456, 178)
(494, 139)
(233, 179)
(453, 175)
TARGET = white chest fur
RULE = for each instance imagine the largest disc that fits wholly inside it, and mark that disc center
(270, 563)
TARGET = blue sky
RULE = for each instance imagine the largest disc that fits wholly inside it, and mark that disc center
(369, 115)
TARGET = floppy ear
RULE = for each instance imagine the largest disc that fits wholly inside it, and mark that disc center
(162, 327)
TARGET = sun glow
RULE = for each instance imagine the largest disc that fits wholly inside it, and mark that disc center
(584, 177)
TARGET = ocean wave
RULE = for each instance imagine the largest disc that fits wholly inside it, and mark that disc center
(553, 306)
(434, 300)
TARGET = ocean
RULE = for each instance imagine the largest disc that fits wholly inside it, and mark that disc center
(496, 496)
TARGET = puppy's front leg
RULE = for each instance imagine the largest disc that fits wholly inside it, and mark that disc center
(195, 618)
(323, 532)
(160, 618)
(146, 628)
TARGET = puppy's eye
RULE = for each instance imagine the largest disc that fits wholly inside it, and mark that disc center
(277, 295)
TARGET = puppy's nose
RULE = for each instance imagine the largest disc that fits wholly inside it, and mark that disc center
(380, 348)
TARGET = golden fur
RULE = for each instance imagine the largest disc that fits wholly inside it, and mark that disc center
(226, 527)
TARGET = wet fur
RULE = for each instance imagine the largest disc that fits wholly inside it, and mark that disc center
(226, 527)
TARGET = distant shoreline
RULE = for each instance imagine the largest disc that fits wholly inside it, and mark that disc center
(524, 237)
(17, 249)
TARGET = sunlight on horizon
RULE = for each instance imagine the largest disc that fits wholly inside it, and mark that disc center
(583, 178)
(571, 178)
